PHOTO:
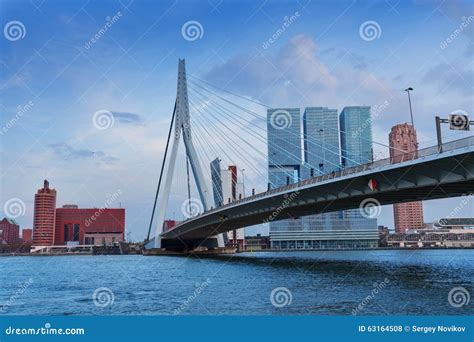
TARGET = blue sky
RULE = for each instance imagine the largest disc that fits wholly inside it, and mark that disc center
(320, 59)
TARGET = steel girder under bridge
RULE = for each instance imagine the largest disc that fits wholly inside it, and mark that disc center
(432, 175)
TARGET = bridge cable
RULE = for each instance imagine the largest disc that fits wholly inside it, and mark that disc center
(206, 163)
(232, 117)
(229, 145)
(161, 172)
(189, 185)
(290, 132)
(259, 152)
(269, 107)
(280, 169)
(256, 135)
(225, 141)
(260, 137)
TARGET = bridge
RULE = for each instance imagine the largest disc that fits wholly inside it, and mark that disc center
(429, 173)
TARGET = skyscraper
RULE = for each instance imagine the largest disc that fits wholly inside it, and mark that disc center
(356, 148)
(403, 146)
(284, 156)
(356, 135)
(321, 141)
(226, 189)
(44, 216)
(216, 182)
(284, 146)
(321, 156)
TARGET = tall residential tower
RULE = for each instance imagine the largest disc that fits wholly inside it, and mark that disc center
(44, 216)
(403, 146)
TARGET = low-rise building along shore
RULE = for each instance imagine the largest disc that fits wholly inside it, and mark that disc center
(446, 233)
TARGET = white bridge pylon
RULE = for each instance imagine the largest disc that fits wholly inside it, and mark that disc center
(182, 126)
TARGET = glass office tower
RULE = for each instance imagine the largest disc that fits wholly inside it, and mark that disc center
(356, 148)
(217, 182)
(356, 136)
(321, 141)
(322, 154)
(284, 146)
(284, 156)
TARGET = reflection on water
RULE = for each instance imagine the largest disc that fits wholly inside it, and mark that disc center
(374, 282)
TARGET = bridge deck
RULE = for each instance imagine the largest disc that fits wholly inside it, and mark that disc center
(426, 174)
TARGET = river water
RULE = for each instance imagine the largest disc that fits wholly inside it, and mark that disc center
(330, 283)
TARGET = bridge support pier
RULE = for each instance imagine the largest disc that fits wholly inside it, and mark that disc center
(185, 247)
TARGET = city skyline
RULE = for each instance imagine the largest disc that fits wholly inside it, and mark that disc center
(330, 142)
(300, 168)
(310, 64)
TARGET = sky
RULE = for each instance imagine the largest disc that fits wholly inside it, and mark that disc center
(63, 63)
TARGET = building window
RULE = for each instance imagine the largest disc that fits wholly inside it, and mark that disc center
(66, 233)
(76, 232)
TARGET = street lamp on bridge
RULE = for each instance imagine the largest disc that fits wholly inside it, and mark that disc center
(243, 181)
(409, 104)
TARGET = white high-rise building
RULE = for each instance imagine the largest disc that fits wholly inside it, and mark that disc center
(227, 189)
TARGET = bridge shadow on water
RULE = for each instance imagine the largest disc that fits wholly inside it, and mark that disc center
(355, 267)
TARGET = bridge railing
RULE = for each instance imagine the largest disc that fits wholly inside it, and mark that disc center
(403, 157)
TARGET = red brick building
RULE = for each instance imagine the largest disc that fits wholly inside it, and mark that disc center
(96, 226)
(73, 225)
(44, 216)
(404, 146)
(9, 232)
(27, 234)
